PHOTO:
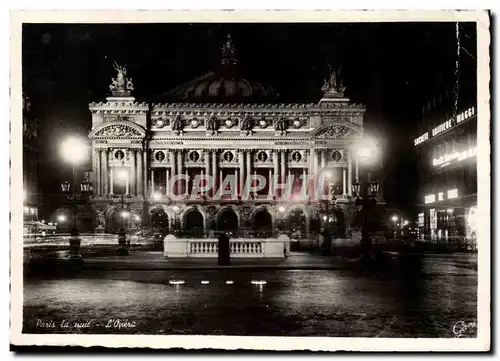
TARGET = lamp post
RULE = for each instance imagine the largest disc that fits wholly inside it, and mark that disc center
(367, 205)
(176, 222)
(74, 150)
(394, 220)
(124, 214)
(281, 222)
(327, 216)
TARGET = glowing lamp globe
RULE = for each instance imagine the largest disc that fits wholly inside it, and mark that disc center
(122, 174)
(74, 150)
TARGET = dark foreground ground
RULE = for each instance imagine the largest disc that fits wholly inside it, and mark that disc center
(438, 294)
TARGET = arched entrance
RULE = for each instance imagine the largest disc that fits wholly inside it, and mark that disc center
(116, 219)
(297, 223)
(193, 223)
(263, 224)
(339, 229)
(159, 220)
(87, 219)
(227, 221)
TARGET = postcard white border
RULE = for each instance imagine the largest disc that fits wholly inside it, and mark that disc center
(481, 343)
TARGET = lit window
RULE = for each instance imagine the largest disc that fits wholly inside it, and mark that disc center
(440, 196)
(26, 210)
(431, 198)
(452, 193)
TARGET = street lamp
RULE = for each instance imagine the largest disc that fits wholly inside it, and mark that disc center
(367, 203)
(122, 175)
(74, 150)
(177, 211)
(61, 218)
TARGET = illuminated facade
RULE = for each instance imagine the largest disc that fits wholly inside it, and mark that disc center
(447, 148)
(30, 163)
(228, 131)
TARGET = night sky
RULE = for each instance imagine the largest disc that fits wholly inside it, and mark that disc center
(391, 68)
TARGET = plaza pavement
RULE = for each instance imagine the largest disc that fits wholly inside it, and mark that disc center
(156, 260)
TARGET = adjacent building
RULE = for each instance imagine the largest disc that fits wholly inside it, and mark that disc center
(447, 147)
(31, 197)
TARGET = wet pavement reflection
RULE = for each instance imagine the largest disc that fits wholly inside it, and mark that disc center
(294, 303)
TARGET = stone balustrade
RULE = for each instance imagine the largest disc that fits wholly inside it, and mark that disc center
(240, 247)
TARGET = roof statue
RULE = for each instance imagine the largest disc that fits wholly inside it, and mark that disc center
(229, 51)
(121, 86)
(334, 86)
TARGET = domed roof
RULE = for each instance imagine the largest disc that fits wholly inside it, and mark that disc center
(225, 85)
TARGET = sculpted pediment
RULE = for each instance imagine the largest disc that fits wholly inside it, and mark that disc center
(118, 130)
(336, 131)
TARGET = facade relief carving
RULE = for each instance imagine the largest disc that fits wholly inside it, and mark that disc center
(178, 125)
(118, 131)
(213, 125)
(336, 132)
(281, 125)
(100, 218)
(247, 125)
(246, 213)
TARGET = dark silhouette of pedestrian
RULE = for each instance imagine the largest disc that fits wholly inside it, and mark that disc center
(224, 251)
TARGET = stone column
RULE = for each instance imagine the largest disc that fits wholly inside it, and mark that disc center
(145, 162)
(214, 170)
(323, 159)
(127, 185)
(275, 170)
(133, 172)
(220, 177)
(249, 169)
(349, 174)
(202, 175)
(167, 178)
(180, 170)
(98, 173)
(105, 165)
(140, 171)
(357, 170)
(207, 167)
(173, 163)
(241, 156)
(315, 162)
(344, 181)
(152, 180)
(283, 166)
(207, 162)
(271, 188)
(111, 181)
(237, 176)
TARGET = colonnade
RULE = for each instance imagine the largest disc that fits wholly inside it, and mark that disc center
(139, 180)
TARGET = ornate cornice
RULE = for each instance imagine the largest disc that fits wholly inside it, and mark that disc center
(119, 107)
(253, 108)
